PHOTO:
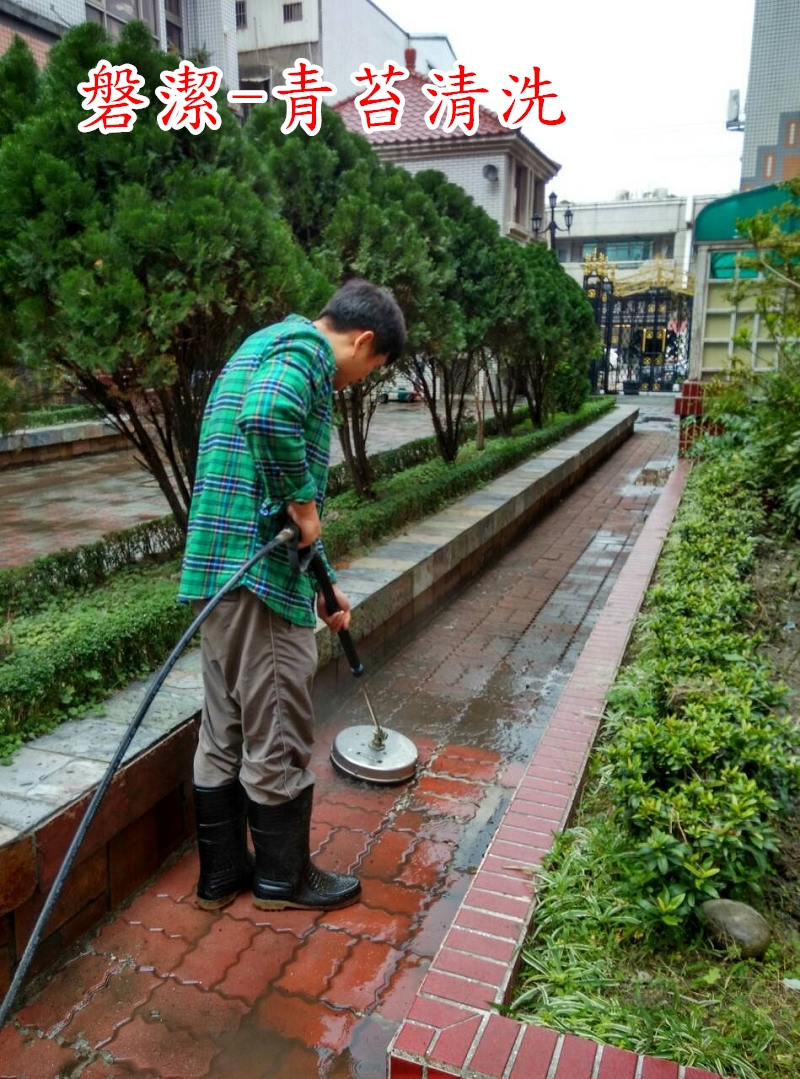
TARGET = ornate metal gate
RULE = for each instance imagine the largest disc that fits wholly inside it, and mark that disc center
(644, 322)
(650, 331)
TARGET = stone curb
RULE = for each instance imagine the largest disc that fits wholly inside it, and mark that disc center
(38, 445)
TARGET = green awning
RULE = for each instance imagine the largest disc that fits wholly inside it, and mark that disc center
(717, 221)
(723, 266)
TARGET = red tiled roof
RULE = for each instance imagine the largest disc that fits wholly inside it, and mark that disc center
(412, 124)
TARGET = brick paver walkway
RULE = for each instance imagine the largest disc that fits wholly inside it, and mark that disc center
(165, 990)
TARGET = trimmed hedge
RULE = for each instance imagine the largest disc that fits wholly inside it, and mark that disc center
(73, 654)
(69, 651)
(59, 415)
(373, 522)
(388, 463)
(26, 589)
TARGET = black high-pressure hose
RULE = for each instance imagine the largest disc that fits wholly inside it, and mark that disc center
(286, 536)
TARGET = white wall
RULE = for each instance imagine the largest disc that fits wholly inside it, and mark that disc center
(355, 32)
(211, 25)
(266, 28)
(432, 50)
(59, 11)
(639, 218)
(645, 218)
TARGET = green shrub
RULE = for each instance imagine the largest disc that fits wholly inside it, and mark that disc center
(571, 386)
(10, 403)
(75, 651)
(58, 415)
(389, 463)
(26, 589)
(698, 752)
(444, 482)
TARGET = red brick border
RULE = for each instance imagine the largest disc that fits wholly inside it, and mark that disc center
(451, 1028)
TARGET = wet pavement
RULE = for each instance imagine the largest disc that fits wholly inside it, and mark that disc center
(165, 990)
(44, 508)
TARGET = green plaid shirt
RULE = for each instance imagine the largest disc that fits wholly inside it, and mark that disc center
(265, 441)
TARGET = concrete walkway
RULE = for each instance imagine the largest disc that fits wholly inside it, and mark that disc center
(165, 990)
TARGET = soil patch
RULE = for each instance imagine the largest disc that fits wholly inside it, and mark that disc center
(776, 617)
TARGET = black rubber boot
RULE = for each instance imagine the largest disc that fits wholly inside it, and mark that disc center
(226, 866)
(285, 876)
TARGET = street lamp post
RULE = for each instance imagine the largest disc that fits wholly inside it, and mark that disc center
(598, 284)
(552, 227)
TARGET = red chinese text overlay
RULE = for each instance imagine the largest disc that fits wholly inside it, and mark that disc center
(111, 95)
(189, 98)
(521, 105)
(303, 91)
(453, 96)
(381, 104)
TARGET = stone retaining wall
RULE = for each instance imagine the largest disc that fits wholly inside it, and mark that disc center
(38, 445)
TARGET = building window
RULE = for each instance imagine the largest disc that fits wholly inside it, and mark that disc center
(241, 14)
(173, 10)
(113, 14)
(791, 133)
(521, 196)
(619, 250)
(769, 166)
(292, 12)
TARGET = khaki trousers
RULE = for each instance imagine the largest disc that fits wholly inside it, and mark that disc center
(257, 723)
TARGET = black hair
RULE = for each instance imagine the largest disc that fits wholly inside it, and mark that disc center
(360, 305)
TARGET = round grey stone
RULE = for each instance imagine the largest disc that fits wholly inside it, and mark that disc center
(737, 923)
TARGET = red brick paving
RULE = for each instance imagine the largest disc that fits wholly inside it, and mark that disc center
(167, 990)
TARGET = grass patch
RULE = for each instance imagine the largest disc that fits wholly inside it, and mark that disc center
(590, 969)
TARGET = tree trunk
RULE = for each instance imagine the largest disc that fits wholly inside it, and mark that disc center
(503, 396)
(356, 414)
(480, 408)
(125, 415)
(534, 408)
(445, 387)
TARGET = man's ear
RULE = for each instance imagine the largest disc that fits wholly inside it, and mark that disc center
(364, 339)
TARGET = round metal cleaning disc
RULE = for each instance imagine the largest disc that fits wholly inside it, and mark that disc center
(354, 753)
